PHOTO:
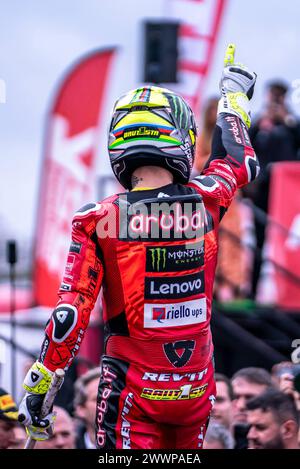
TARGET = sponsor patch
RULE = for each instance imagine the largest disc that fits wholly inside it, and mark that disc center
(126, 425)
(180, 352)
(107, 379)
(174, 287)
(183, 393)
(159, 314)
(70, 263)
(75, 247)
(65, 287)
(174, 258)
(174, 377)
(141, 131)
(177, 314)
(163, 218)
(44, 349)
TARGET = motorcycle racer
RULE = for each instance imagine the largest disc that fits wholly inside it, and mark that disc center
(153, 250)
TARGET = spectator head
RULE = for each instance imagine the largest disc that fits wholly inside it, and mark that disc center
(85, 400)
(273, 421)
(279, 369)
(222, 410)
(20, 437)
(8, 419)
(210, 112)
(203, 145)
(277, 90)
(218, 437)
(247, 383)
(286, 377)
(63, 434)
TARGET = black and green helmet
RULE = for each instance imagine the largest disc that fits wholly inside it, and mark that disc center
(152, 126)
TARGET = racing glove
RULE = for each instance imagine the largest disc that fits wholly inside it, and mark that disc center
(36, 383)
(237, 87)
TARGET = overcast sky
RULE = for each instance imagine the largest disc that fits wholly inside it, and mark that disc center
(39, 40)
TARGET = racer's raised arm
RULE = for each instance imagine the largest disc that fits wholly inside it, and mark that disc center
(232, 163)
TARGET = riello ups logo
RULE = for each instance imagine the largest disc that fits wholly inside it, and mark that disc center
(174, 258)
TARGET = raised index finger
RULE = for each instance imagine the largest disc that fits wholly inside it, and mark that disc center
(229, 55)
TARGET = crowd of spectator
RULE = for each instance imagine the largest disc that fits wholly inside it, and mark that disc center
(254, 409)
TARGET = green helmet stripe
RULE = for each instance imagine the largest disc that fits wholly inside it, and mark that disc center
(118, 142)
(185, 113)
(136, 94)
(181, 112)
(175, 106)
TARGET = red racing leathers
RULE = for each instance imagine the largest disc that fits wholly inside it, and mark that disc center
(154, 253)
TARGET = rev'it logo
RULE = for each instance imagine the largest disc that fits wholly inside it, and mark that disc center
(180, 352)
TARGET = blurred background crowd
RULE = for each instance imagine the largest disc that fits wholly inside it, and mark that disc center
(256, 320)
(255, 409)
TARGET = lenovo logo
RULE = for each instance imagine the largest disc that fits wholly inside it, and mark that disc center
(174, 287)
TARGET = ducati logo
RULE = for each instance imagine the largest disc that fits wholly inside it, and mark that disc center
(186, 347)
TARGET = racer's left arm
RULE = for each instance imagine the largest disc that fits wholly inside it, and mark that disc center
(233, 162)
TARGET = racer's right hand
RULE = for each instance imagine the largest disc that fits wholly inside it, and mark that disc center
(236, 86)
(36, 383)
(236, 77)
(29, 415)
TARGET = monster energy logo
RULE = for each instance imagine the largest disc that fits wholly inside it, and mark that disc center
(174, 258)
(180, 110)
(158, 257)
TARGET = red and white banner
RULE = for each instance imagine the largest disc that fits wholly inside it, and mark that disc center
(280, 282)
(200, 23)
(68, 173)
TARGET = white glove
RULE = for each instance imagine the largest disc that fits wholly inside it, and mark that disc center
(36, 383)
(236, 86)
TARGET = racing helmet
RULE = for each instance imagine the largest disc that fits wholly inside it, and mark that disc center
(151, 126)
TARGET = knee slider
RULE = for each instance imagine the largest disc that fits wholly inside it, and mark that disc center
(64, 319)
